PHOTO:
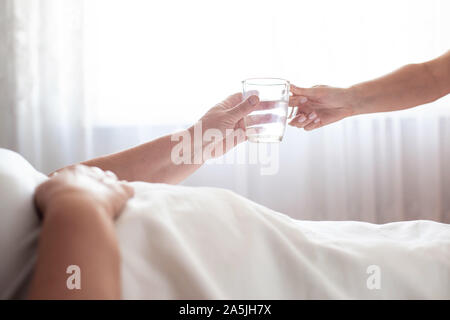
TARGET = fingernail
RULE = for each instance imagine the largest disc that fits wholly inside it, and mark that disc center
(301, 119)
(317, 120)
(312, 116)
(253, 100)
(303, 99)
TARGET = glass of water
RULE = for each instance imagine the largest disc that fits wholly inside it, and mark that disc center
(268, 123)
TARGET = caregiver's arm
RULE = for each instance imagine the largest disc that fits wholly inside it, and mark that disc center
(407, 87)
(78, 206)
(159, 160)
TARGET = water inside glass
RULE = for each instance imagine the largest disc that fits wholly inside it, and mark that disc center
(268, 123)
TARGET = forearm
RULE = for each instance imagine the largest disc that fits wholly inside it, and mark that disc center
(155, 161)
(172, 158)
(407, 87)
(79, 235)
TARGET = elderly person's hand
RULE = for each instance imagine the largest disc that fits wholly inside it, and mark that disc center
(82, 185)
(225, 122)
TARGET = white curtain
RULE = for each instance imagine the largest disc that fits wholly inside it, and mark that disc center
(84, 78)
(43, 108)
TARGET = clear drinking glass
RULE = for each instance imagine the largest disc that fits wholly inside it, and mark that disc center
(267, 123)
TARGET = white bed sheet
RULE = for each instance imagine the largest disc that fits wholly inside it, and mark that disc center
(206, 243)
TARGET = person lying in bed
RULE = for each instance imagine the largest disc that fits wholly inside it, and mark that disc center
(79, 204)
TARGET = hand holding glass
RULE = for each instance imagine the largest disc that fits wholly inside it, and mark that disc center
(267, 123)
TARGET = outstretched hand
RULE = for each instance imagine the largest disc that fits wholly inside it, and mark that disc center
(227, 117)
(321, 105)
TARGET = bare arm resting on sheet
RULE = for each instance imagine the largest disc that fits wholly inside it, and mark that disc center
(152, 161)
(407, 87)
(78, 206)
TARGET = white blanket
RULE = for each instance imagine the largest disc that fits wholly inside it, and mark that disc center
(202, 243)
(183, 242)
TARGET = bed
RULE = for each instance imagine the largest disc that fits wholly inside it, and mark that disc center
(181, 242)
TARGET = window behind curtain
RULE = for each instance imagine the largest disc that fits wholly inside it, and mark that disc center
(167, 62)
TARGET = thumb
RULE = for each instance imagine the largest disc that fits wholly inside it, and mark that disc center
(305, 92)
(244, 108)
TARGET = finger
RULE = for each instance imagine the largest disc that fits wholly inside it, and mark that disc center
(82, 170)
(268, 105)
(53, 174)
(121, 190)
(244, 108)
(129, 190)
(256, 119)
(299, 120)
(297, 100)
(109, 182)
(241, 136)
(234, 99)
(238, 136)
(98, 174)
(305, 122)
(110, 174)
(89, 170)
(300, 91)
(293, 113)
(309, 93)
(255, 131)
(309, 104)
(250, 93)
(317, 123)
(240, 125)
(303, 109)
